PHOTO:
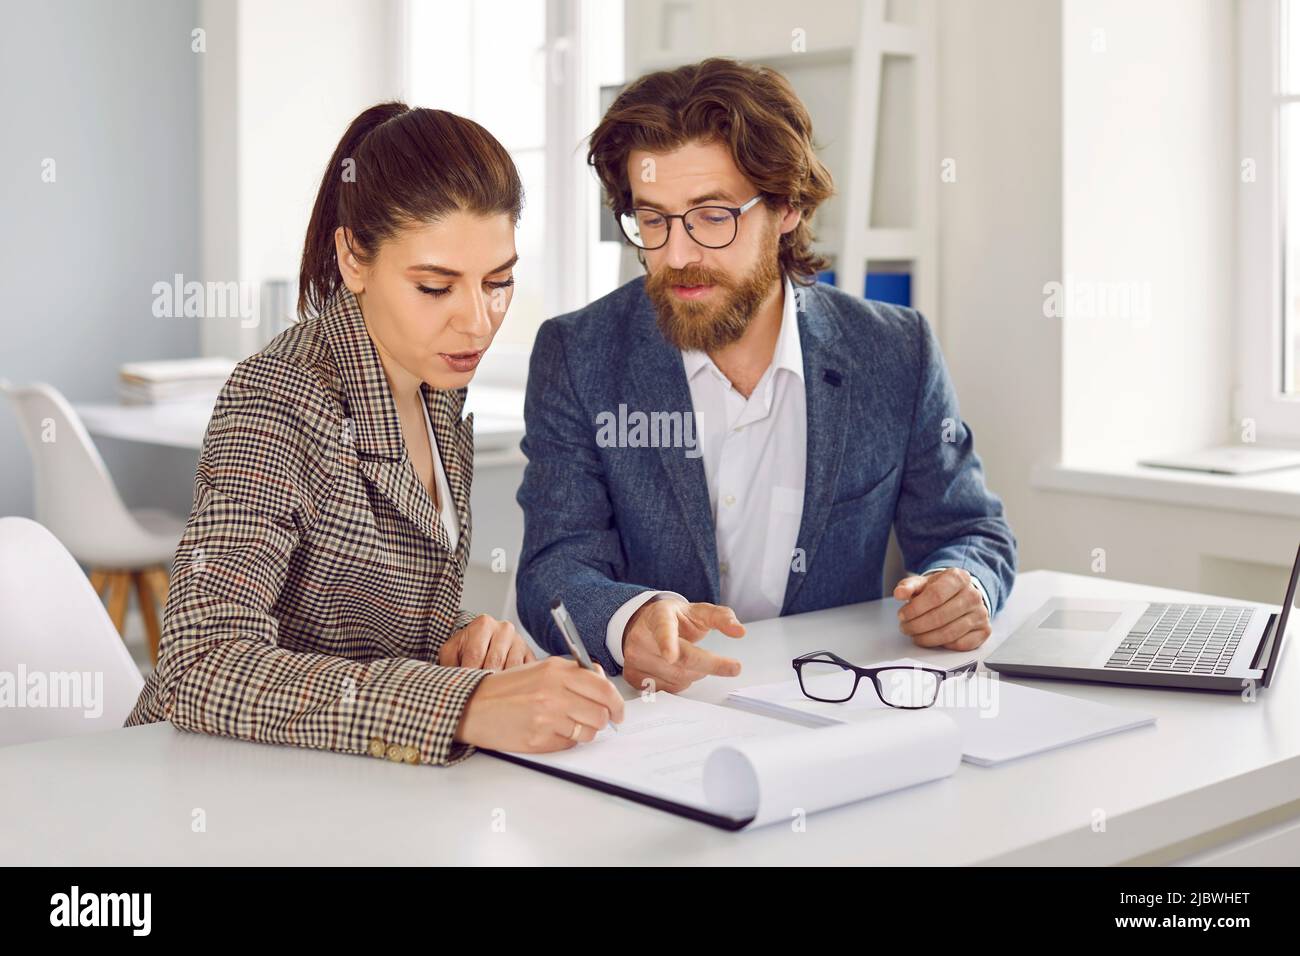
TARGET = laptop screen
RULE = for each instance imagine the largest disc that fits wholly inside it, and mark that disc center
(1290, 596)
(1274, 643)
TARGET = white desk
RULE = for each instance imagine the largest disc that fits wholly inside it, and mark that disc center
(498, 420)
(127, 796)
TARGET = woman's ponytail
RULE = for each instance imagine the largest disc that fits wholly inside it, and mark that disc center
(318, 278)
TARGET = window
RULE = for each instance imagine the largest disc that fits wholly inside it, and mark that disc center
(1286, 106)
(1269, 221)
(530, 71)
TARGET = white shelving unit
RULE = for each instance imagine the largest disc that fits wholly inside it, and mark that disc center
(860, 241)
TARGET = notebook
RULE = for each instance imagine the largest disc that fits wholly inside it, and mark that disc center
(734, 769)
(998, 720)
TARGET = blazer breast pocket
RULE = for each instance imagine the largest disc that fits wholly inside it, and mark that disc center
(859, 504)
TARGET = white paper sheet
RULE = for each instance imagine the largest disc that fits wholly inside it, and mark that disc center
(743, 765)
(777, 778)
(998, 720)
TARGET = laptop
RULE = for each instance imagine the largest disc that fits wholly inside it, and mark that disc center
(1229, 460)
(1160, 644)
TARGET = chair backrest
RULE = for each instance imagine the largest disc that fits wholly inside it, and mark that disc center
(75, 495)
(63, 668)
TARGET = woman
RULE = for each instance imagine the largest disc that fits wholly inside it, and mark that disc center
(315, 596)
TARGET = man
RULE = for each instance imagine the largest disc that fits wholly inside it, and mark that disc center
(724, 441)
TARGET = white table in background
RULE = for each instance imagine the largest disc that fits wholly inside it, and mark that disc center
(498, 420)
(128, 796)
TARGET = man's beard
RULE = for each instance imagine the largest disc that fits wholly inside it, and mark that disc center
(707, 326)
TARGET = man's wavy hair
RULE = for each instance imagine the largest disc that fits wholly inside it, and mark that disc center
(752, 109)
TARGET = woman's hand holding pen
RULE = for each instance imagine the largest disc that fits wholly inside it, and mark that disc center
(485, 643)
(540, 707)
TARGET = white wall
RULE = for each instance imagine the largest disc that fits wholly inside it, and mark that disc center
(1000, 240)
(1003, 235)
(284, 81)
(1149, 167)
(108, 92)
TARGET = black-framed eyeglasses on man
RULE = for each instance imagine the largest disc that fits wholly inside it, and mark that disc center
(714, 227)
(826, 676)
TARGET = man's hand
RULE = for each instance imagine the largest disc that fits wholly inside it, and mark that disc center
(485, 643)
(943, 609)
(659, 644)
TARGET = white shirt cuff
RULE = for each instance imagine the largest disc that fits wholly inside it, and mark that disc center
(984, 595)
(618, 623)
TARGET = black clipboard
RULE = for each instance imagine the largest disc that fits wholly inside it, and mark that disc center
(659, 803)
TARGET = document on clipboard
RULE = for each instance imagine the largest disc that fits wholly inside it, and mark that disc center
(735, 769)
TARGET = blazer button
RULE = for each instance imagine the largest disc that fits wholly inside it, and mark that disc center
(410, 755)
(376, 747)
(394, 753)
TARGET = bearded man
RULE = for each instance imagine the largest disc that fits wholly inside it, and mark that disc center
(780, 428)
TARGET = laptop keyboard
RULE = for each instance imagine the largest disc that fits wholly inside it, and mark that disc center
(1183, 639)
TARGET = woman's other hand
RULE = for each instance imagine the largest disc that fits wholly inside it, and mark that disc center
(485, 643)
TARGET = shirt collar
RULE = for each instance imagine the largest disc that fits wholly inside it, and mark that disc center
(788, 353)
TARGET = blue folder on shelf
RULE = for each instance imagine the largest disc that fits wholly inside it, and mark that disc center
(892, 287)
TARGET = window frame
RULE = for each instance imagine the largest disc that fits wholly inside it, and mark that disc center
(1260, 401)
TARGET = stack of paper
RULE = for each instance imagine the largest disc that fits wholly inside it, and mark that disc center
(998, 720)
(175, 380)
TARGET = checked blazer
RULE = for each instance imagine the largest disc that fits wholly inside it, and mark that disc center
(314, 584)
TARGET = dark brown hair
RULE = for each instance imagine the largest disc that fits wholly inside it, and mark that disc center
(396, 166)
(751, 109)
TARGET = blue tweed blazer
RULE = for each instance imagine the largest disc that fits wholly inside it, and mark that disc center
(886, 448)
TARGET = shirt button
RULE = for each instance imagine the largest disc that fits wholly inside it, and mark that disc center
(410, 755)
(729, 500)
(725, 568)
(376, 747)
(394, 753)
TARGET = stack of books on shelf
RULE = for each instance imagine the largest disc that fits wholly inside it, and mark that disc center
(173, 380)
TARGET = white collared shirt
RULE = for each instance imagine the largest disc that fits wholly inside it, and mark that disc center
(755, 460)
(446, 507)
(754, 455)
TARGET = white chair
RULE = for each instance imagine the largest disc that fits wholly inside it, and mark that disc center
(77, 501)
(66, 668)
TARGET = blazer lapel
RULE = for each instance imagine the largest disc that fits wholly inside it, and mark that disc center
(399, 483)
(827, 380)
(659, 385)
(376, 430)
